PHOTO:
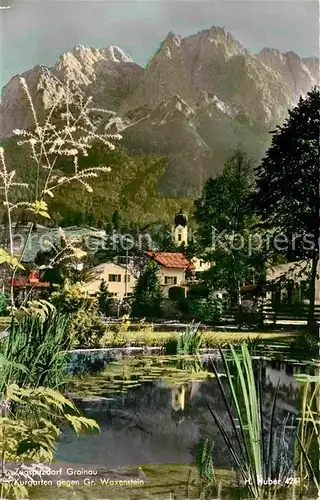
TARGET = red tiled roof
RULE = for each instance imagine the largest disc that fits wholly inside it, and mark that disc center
(24, 282)
(171, 259)
(32, 280)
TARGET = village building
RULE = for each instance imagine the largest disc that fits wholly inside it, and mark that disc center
(290, 282)
(119, 278)
(175, 268)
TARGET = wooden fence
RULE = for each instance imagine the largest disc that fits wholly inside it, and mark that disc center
(280, 313)
(285, 312)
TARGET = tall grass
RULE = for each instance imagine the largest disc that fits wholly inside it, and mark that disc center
(31, 354)
(308, 432)
(253, 442)
(190, 341)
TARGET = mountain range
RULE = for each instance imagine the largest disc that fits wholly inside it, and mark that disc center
(200, 96)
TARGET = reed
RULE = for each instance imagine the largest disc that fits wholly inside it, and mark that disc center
(190, 341)
(308, 433)
(31, 354)
(254, 441)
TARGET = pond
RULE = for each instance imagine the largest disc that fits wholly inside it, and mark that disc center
(153, 412)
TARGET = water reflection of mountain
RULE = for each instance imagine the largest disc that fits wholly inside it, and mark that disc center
(162, 422)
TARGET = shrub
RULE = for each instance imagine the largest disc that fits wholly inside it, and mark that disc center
(248, 315)
(123, 326)
(171, 345)
(86, 328)
(119, 337)
(177, 293)
(170, 309)
(70, 298)
(305, 344)
(198, 291)
(207, 310)
(183, 305)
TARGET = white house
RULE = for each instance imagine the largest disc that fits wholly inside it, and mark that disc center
(173, 269)
(119, 278)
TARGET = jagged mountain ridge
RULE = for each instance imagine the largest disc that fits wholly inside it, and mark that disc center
(199, 95)
(107, 74)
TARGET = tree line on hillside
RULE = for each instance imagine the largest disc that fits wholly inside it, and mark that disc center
(130, 186)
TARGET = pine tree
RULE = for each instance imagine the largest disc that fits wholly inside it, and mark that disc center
(148, 295)
(104, 298)
(288, 181)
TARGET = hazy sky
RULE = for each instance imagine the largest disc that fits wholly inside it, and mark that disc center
(38, 31)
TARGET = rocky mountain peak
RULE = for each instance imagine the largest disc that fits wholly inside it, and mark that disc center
(209, 63)
(107, 74)
(171, 40)
(298, 73)
(196, 99)
(82, 61)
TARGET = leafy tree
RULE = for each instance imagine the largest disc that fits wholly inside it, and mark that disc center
(225, 224)
(104, 298)
(148, 295)
(288, 181)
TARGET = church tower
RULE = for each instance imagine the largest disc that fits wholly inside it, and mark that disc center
(180, 229)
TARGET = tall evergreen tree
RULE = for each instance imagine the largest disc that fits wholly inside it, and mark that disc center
(225, 223)
(288, 183)
(104, 298)
(148, 295)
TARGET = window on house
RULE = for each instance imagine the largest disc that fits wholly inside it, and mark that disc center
(170, 280)
(127, 278)
(113, 294)
(115, 277)
(179, 236)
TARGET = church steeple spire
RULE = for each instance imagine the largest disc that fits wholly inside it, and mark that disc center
(180, 229)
